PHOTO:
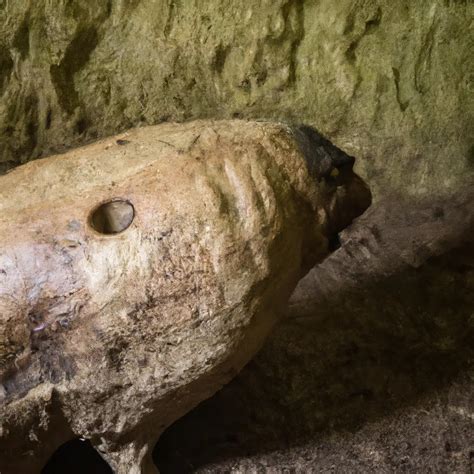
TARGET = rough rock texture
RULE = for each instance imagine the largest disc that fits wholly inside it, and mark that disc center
(390, 82)
(113, 323)
(435, 435)
(372, 369)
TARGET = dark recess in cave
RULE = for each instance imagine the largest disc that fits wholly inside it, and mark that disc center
(76, 457)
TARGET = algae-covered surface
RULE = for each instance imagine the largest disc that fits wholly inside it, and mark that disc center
(390, 82)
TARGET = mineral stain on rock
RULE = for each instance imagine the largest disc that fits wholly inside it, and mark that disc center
(139, 279)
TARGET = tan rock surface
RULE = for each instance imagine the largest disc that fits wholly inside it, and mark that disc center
(371, 369)
(112, 335)
(390, 82)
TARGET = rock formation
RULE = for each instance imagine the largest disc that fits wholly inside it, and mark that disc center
(139, 274)
(388, 82)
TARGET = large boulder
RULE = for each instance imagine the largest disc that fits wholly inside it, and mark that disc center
(139, 274)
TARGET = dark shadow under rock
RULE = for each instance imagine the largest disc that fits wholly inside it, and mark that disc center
(76, 457)
(376, 336)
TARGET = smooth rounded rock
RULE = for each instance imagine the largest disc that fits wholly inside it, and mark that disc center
(140, 273)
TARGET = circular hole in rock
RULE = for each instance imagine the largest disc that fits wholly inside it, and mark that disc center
(112, 217)
(76, 457)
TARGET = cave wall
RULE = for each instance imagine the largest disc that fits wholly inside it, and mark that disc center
(390, 82)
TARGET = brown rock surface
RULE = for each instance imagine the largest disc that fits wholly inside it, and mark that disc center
(389, 82)
(371, 370)
(140, 273)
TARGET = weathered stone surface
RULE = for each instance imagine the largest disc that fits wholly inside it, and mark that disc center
(371, 371)
(390, 82)
(116, 320)
(434, 434)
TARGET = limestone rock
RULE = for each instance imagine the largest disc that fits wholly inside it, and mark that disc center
(389, 82)
(140, 273)
(371, 369)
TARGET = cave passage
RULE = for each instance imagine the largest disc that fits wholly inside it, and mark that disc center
(76, 457)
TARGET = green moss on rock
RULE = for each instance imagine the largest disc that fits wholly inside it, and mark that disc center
(387, 81)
